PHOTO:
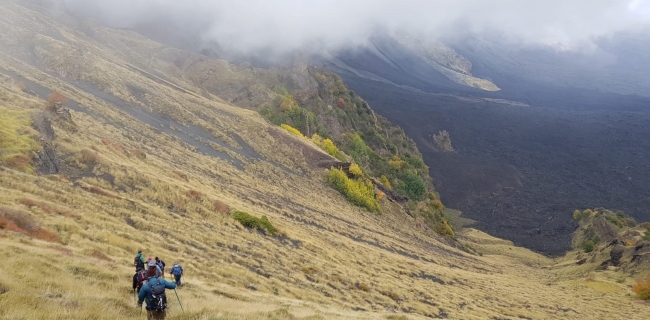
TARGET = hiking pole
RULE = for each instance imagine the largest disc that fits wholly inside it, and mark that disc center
(179, 300)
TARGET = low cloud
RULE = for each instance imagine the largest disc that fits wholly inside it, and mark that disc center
(287, 25)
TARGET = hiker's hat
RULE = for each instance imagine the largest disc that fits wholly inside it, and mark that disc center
(151, 263)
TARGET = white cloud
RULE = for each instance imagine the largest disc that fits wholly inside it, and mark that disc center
(285, 25)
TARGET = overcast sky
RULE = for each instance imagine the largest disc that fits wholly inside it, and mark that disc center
(331, 24)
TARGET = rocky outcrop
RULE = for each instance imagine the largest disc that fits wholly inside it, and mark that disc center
(46, 160)
(605, 230)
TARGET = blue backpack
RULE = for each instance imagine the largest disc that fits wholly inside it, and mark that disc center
(157, 296)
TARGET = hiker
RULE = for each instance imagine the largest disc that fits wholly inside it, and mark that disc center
(153, 293)
(161, 265)
(177, 271)
(138, 279)
(138, 262)
(153, 266)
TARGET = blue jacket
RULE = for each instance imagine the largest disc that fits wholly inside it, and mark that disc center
(176, 270)
(145, 291)
(139, 255)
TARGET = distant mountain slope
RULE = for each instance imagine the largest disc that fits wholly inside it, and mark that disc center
(517, 168)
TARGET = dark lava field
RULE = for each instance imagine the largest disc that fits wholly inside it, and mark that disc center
(519, 171)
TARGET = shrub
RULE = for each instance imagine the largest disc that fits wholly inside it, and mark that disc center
(577, 215)
(340, 103)
(56, 97)
(358, 192)
(385, 182)
(588, 246)
(291, 130)
(444, 229)
(193, 194)
(266, 225)
(250, 221)
(356, 170)
(412, 186)
(327, 145)
(437, 205)
(89, 157)
(331, 149)
(221, 207)
(642, 288)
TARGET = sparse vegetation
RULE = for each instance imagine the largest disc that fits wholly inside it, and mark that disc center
(588, 246)
(328, 146)
(356, 170)
(442, 141)
(221, 207)
(291, 130)
(385, 182)
(357, 191)
(89, 157)
(17, 140)
(642, 288)
(253, 222)
(56, 98)
(577, 215)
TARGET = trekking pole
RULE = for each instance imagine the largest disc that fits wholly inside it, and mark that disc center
(179, 300)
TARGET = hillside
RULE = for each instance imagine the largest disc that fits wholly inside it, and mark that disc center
(524, 155)
(139, 156)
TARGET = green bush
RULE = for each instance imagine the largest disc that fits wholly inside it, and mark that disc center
(250, 221)
(358, 192)
(412, 186)
(588, 246)
(266, 225)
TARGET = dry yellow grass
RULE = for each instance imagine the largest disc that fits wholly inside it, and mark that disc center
(360, 265)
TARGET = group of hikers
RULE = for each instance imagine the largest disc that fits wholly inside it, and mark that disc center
(149, 284)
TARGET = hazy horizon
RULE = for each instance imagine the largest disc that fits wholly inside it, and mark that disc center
(330, 25)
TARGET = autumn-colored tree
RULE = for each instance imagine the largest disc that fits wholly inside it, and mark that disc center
(340, 103)
(55, 97)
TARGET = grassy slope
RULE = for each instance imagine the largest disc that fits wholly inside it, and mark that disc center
(341, 259)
